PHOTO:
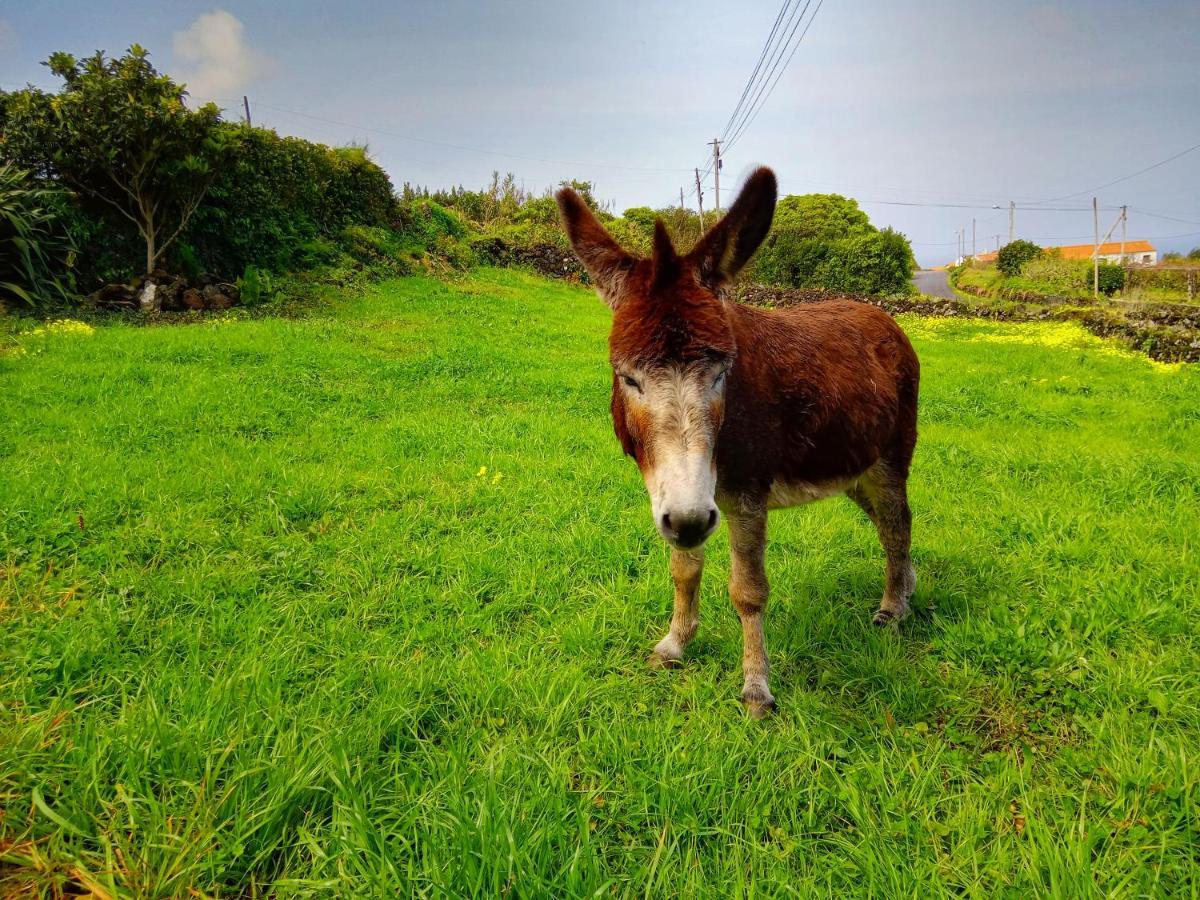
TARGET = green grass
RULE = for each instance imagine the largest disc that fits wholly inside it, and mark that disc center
(358, 605)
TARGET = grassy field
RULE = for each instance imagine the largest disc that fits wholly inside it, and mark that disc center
(359, 605)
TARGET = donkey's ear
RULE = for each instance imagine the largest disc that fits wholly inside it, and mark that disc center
(726, 248)
(606, 263)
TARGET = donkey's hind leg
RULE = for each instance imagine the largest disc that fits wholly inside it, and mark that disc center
(686, 568)
(882, 493)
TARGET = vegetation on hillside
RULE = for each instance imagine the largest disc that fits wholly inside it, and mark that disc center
(147, 183)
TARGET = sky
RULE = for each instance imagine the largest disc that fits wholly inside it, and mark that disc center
(931, 114)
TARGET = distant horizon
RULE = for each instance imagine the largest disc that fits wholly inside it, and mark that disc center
(929, 120)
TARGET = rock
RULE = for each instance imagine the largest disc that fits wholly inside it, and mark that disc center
(148, 297)
(192, 299)
(114, 296)
(215, 297)
(170, 294)
(232, 291)
(204, 279)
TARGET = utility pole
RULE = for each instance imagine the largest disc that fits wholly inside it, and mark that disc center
(1096, 252)
(716, 145)
(997, 243)
(972, 239)
(1012, 208)
(700, 201)
(246, 103)
(681, 206)
(1123, 221)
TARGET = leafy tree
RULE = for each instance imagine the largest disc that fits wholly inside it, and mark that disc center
(826, 241)
(825, 216)
(1013, 256)
(120, 135)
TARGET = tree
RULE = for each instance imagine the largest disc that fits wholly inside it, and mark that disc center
(1013, 256)
(120, 135)
(824, 216)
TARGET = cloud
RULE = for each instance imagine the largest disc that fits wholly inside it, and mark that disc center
(217, 63)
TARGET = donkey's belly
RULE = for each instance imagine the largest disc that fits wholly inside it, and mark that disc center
(797, 493)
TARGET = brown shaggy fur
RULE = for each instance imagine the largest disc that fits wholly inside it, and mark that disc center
(816, 396)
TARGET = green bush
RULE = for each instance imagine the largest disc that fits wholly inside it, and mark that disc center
(424, 223)
(256, 286)
(1014, 255)
(35, 248)
(875, 263)
(1111, 278)
(1051, 273)
(282, 201)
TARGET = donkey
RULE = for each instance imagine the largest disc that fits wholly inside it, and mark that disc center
(732, 408)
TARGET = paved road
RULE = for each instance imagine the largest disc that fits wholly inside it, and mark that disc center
(933, 282)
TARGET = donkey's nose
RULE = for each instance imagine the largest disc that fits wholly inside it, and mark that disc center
(687, 528)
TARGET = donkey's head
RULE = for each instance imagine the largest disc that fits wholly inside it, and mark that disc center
(672, 348)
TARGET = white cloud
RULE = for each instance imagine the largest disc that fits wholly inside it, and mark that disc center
(214, 60)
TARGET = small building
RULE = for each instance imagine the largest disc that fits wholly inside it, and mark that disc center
(1138, 253)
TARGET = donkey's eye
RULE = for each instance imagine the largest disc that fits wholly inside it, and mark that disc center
(631, 382)
(720, 379)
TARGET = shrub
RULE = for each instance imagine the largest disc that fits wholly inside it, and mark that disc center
(34, 245)
(1111, 278)
(1050, 272)
(873, 263)
(282, 201)
(1013, 256)
(424, 223)
(826, 241)
(256, 286)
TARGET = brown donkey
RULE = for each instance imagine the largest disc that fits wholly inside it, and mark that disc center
(743, 409)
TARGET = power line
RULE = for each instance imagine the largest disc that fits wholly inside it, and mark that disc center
(757, 67)
(1101, 187)
(1144, 212)
(776, 54)
(746, 124)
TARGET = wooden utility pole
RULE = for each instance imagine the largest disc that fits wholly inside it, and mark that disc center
(716, 145)
(681, 206)
(1012, 208)
(1123, 220)
(700, 201)
(1096, 251)
(246, 104)
(972, 239)
(997, 243)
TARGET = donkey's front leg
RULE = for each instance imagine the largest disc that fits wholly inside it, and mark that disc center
(686, 568)
(748, 590)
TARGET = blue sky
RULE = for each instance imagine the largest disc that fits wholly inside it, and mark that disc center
(964, 103)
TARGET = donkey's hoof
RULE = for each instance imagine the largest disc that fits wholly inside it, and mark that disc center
(659, 661)
(758, 704)
(886, 618)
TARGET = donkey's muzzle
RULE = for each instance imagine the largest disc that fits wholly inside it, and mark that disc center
(689, 528)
